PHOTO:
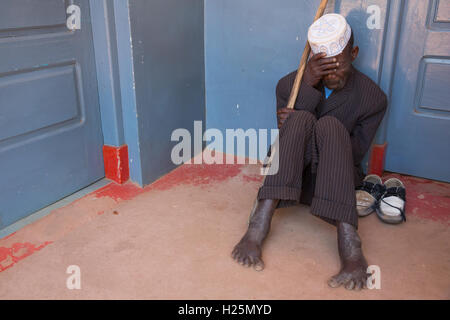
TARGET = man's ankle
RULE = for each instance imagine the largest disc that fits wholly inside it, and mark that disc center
(259, 224)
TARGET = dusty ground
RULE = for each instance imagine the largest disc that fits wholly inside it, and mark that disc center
(173, 239)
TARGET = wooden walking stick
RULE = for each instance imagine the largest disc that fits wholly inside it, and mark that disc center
(303, 61)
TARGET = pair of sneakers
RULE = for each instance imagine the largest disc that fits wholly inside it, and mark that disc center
(387, 199)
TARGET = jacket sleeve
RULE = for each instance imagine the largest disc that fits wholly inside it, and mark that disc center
(365, 130)
(308, 97)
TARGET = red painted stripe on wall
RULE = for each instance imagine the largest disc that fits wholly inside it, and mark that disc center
(376, 163)
(116, 163)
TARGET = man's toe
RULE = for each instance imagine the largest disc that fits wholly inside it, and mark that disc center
(350, 285)
(364, 284)
(253, 261)
(334, 282)
(359, 285)
(234, 253)
(258, 265)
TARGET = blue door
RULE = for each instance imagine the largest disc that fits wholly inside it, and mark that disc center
(50, 132)
(419, 119)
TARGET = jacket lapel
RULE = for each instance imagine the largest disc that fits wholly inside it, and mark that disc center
(338, 98)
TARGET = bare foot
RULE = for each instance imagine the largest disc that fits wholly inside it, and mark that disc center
(353, 274)
(248, 251)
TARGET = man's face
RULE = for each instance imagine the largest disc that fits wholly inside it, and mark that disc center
(337, 80)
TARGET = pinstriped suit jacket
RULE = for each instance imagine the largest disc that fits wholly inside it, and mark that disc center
(360, 106)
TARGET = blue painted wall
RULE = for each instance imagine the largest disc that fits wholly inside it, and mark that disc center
(150, 65)
(168, 62)
(251, 44)
(159, 60)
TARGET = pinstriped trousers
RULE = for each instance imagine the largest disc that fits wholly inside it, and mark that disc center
(324, 144)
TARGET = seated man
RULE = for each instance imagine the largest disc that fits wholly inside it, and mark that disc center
(321, 143)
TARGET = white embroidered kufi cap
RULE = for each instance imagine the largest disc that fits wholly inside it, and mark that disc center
(329, 34)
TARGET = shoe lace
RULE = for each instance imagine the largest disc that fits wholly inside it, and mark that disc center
(396, 192)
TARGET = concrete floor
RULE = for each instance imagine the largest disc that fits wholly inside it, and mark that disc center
(173, 239)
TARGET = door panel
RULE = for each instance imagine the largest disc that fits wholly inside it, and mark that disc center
(38, 99)
(419, 119)
(50, 132)
(33, 14)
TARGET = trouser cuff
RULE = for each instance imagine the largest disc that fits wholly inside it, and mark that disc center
(335, 211)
